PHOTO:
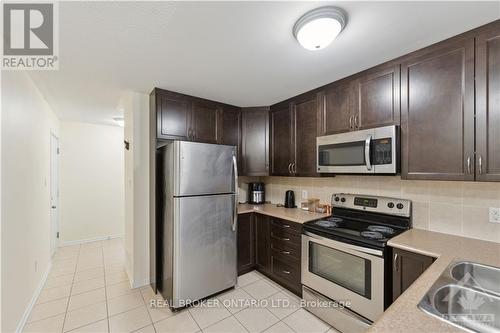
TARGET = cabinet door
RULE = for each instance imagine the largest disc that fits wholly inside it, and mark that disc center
(172, 116)
(204, 121)
(246, 243)
(488, 106)
(262, 240)
(378, 98)
(281, 141)
(337, 108)
(255, 141)
(306, 122)
(231, 130)
(407, 267)
(437, 118)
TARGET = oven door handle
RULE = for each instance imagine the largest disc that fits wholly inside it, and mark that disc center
(366, 250)
(368, 144)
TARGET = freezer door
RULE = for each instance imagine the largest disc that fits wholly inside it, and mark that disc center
(203, 168)
(204, 247)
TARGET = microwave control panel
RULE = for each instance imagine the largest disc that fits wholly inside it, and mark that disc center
(382, 151)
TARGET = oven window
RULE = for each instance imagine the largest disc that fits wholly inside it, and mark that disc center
(342, 154)
(341, 268)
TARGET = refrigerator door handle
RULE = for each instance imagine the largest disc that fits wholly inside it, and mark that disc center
(235, 212)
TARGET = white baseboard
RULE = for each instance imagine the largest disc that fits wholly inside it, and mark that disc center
(138, 284)
(27, 312)
(89, 240)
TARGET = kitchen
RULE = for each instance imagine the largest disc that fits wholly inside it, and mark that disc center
(367, 203)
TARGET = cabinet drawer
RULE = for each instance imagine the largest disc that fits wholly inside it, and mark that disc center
(288, 255)
(286, 238)
(288, 271)
(280, 247)
(288, 226)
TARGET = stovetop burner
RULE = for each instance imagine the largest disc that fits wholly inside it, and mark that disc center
(372, 235)
(381, 229)
(327, 223)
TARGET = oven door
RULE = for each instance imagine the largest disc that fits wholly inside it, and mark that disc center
(344, 272)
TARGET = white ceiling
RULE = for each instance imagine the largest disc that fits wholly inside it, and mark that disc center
(241, 53)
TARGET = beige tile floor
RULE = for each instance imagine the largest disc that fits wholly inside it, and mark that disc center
(88, 291)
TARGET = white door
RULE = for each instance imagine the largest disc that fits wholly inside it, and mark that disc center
(54, 193)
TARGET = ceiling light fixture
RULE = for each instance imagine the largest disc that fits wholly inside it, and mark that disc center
(317, 28)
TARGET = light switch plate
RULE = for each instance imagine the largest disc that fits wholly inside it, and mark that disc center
(494, 215)
(304, 194)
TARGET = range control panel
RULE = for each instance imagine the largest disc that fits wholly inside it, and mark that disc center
(383, 205)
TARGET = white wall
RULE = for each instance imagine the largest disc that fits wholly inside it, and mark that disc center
(27, 122)
(136, 111)
(91, 181)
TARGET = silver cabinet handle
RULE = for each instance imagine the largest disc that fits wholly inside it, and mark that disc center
(285, 252)
(235, 212)
(480, 165)
(289, 168)
(356, 121)
(368, 162)
(294, 170)
(350, 122)
(286, 226)
(395, 261)
(286, 272)
(468, 164)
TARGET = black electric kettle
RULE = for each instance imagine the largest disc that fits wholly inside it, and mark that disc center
(290, 199)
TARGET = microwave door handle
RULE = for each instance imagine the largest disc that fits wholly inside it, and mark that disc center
(368, 143)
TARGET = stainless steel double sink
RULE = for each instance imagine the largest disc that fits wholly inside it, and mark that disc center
(466, 295)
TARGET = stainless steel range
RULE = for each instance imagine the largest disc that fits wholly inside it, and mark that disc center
(345, 259)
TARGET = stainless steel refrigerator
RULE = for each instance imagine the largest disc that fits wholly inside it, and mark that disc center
(200, 183)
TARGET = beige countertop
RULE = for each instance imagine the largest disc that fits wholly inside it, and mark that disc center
(404, 315)
(291, 214)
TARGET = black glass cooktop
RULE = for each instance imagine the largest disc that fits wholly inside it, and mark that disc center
(365, 229)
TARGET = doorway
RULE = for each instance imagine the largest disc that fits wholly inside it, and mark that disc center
(54, 193)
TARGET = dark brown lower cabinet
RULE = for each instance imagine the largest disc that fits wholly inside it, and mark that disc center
(406, 268)
(246, 243)
(272, 246)
(262, 243)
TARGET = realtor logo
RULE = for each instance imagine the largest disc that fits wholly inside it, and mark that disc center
(29, 36)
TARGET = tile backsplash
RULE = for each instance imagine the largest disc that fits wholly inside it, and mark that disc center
(458, 208)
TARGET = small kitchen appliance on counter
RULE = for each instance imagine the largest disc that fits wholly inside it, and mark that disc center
(256, 193)
(345, 257)
(290, 199)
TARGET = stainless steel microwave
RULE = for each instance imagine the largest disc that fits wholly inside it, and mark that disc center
(369, 151)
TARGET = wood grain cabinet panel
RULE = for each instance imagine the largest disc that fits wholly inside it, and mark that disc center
(263, 243)
(231, 130)
(338, 107)
(306, 121)
(255, 142)
(204, 123)
(437, 115)
(378, 98)
(488, 106)
(173, 115)
(407, 267)
(246, 243)
(281, 140)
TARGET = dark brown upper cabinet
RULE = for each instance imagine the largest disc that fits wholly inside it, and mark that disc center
(172, 115)
(306, 121)
(378, 98)
(281, 140)
(205, 121)
(255, 141)
(231, 129)
(294, 128)
(488, 106)
(337, 107)
(437, 112)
